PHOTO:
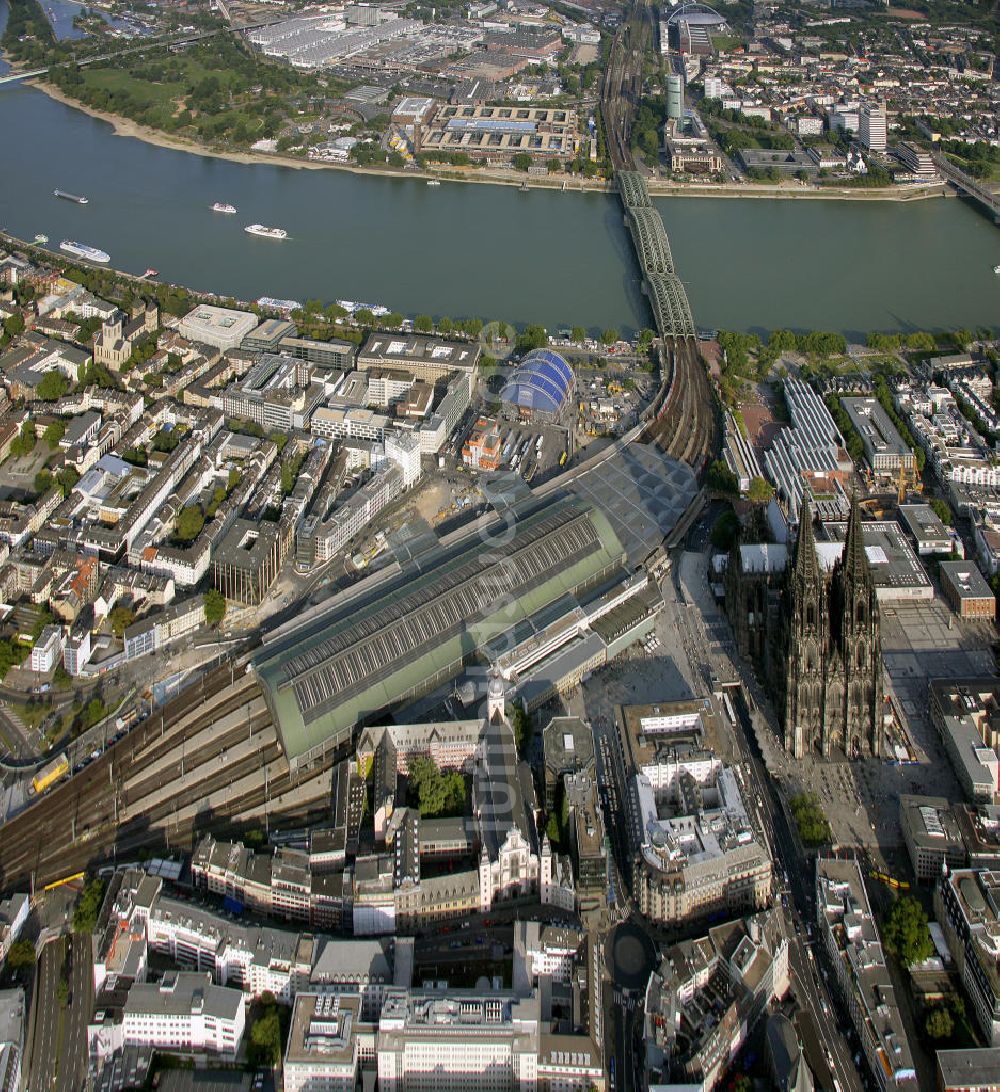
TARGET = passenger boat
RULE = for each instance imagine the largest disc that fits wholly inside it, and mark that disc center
(221, 206)
(81, 250)
(266, 232)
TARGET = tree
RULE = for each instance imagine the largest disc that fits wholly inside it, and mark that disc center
(423, 323)
(783, 341)
(521, 161)
(813, 827)
(905, 932)
(121, 618)
(52, 386)
(578, 333)
(721, 479)
(190, 521)
(215, 607)
(21, 955)
(552, 829)
(554, 166)
(265, 1037)
(54, 433)
(942, 509)
(524, 729)
(434, 792)
(444, 325)
(14, 325)
(364, 316)
(43, 481)
(88, 907)
(724, 531)
(939, 1023)
(62, 991)
(532, 337)
(760, 491)
(609, 336)
(920, 342)
(24, 442)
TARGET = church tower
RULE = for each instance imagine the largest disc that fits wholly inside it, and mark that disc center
(808, 632)
(857, 704)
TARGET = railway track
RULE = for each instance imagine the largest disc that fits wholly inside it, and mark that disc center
(125, 800)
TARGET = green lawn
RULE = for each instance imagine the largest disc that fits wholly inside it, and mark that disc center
(115, 81)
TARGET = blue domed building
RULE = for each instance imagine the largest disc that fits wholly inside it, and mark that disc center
(540, 390)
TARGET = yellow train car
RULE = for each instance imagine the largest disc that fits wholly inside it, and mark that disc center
(49, 774)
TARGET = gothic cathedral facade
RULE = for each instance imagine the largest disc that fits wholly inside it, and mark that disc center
(818, 641)
(833, 654)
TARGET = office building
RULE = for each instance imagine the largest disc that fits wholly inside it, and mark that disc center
(969, 1070)
(872, 127)
(219, 327)
(183, 1013)
(966, 905)
(425, 357)
(323, 1044)
(247, 560)
(931, 834)
(927, 530)
(675, 96)
(965, 712)
(916, 160)
(47, 649)
(890, 460)
(966, 589)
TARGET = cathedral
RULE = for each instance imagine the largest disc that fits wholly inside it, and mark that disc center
(815, 630)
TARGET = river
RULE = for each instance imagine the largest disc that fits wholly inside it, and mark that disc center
(492, 251)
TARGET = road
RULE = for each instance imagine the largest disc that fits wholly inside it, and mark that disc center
(794, 872)
(42, 1071)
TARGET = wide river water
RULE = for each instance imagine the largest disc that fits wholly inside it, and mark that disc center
(549, 257)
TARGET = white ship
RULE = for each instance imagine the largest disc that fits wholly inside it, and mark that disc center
(266, 232)
(80, 250)
(433, 182)
(279, 305)
(221, 206)
(350, 306)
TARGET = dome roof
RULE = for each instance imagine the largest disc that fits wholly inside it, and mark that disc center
(542, 381)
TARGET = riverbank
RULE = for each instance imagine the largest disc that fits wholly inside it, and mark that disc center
(658, 188)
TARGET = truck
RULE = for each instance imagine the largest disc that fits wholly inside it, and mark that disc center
(49, 774)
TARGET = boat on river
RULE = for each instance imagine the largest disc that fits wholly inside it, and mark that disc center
(266, 232)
